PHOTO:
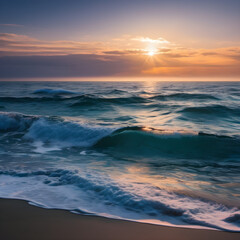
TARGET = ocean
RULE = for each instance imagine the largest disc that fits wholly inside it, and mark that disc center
(166, 153)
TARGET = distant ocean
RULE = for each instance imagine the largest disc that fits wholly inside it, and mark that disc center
(166, 153)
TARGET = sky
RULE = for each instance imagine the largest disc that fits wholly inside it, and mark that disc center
(137, 38)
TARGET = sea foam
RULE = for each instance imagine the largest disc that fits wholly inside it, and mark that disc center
(89, 192)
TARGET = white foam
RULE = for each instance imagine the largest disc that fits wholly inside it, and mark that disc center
(14, 121)
(99, 194)
(40, 148)
(65, 133)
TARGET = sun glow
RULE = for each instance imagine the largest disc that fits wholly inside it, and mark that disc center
(151, 52)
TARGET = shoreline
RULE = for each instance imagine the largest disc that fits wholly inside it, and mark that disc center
(20, 220)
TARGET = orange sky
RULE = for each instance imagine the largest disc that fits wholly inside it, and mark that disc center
(107, 38)
(135, 56)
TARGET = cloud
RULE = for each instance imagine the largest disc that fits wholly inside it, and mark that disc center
(150, 40)
(125, 52)
(25, 45)
(194, 71)
(24, 56)
(11, 25)
(78, 65)
(93, 65)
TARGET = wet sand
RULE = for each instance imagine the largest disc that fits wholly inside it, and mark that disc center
(19, 220)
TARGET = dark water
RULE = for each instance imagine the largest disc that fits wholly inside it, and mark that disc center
(160, 152)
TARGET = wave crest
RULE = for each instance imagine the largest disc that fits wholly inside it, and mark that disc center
(65, 133)
(185, 96)
(53, 91)
(15, 122)
(213, 110)
(138, 141)
(128, 141)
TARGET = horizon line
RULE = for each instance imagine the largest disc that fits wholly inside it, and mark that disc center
(123, 79)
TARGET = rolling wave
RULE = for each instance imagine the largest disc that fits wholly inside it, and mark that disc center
(185, 96)
(153, 142)
(134, 141)
(49, 91)
(81, 100)
(32, 99)
(54, 130)
(15, 121)
(65, 133)
(61, 95)
(213, 110)
(87, 100)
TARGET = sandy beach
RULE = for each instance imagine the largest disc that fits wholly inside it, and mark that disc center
(19, 220)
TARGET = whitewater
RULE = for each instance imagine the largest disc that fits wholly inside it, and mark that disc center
(165, 153)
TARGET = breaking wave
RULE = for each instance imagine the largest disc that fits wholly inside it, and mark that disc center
(153, 142)
(132, 141)
(15, 121)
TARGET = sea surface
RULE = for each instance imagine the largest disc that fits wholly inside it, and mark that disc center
(166, 153)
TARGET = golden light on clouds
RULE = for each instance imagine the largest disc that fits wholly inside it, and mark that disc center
(152, 41)
(129, 56)
(152, 44)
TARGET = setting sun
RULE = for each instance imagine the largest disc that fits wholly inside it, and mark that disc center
(151, 52)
